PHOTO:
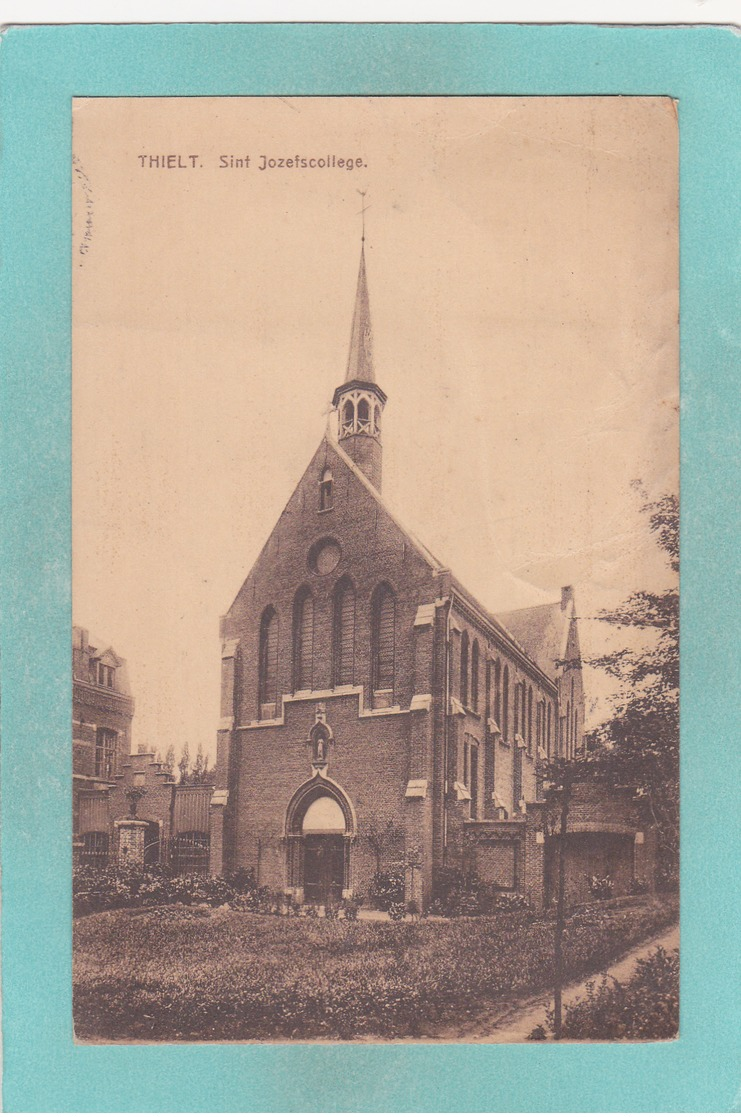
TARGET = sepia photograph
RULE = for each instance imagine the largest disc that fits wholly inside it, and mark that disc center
(375, 558)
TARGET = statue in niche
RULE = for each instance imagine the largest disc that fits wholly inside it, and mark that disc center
(320, 739)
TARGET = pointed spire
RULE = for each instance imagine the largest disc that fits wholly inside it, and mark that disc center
(360, 359)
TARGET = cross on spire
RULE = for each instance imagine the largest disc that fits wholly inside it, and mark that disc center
(362, 212)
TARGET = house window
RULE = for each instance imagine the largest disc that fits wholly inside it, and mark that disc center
(377, 419)
(325, 491)
(475, 676)
(106, 675)
(516, 709)
(498, 694)
(548, 730)
(268, 682)
(303, 639)
(384, 624)
(466, 761)
(105, 753)
(505, 703)
(464, 669)
(523, 700)
(343, 644)
(487, 690)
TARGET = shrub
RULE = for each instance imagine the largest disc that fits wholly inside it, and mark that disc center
(645, 1007)
(350, 908)
(332, 910)
(638, 886)
(397, 911)
(387, 889)
(600, 887)
(95, 889)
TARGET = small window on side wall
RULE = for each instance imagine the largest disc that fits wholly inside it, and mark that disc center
(326, 496)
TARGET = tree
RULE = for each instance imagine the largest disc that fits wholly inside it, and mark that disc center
(169, 762)
(184, 764)
(384, 837)
(638, 745)
(196, 775)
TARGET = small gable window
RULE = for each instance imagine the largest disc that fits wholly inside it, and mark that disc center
(106, 675)
(325, 491)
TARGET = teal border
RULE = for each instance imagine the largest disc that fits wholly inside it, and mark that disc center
(42, 68)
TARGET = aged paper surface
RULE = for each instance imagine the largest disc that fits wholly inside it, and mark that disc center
(518, 308)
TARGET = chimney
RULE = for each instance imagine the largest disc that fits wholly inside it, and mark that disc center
(567, 597)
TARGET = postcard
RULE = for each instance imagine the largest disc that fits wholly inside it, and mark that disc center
(372, 709)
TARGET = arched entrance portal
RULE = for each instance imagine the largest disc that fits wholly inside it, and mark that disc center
(320, 826)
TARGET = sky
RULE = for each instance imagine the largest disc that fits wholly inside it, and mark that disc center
(522, 259)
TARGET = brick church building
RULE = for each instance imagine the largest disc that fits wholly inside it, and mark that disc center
(375, 715)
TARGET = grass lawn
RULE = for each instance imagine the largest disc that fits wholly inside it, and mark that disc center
(176, 973)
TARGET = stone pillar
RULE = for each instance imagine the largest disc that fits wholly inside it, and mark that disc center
(130, 842)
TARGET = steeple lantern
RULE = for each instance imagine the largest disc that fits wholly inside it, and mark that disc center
(360, 401)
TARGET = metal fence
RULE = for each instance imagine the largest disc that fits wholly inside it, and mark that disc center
(185, 854)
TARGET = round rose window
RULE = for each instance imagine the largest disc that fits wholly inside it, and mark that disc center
(324, 556)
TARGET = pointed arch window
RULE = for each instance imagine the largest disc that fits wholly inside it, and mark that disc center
(268, 663)
(384, 639)
(505, 703)
(498, 694)
(343, 635)
(487, 690)
(529, 718)
(303, 640)
(523, 700)
(475, 676)
(377, 418)
(464, 669)
(326, 497)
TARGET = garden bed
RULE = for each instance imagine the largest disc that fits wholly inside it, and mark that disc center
(182, 973)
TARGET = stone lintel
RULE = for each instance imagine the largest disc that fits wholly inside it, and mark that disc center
(421, 702)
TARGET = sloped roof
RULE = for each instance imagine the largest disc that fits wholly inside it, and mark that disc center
(542, 630)
(427, 555)
(542, 637)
